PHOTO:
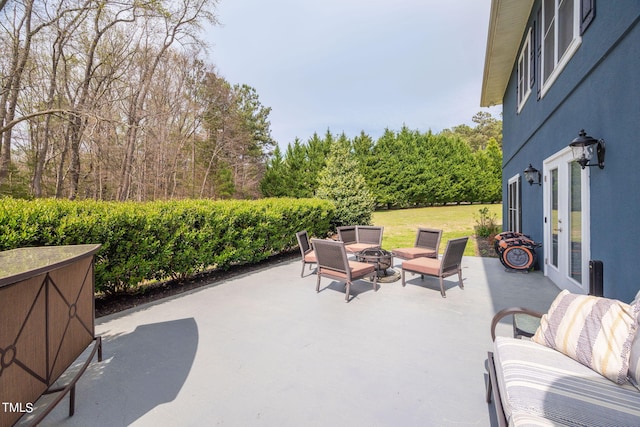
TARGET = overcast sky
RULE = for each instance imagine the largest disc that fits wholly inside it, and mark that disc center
(353, 65)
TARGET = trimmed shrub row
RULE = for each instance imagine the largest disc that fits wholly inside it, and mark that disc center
(162, 240)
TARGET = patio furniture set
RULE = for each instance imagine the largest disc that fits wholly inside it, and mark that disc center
(364, 244)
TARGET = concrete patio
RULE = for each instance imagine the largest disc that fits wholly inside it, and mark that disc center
(266, 349)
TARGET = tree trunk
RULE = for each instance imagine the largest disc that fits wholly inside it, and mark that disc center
(61, 166)
(20, 55)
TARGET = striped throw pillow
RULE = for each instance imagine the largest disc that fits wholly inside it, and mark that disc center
(594, 331)
(634, 359)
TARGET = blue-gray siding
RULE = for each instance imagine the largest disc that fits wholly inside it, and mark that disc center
(599, 90)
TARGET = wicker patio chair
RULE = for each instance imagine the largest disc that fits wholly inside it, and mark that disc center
(348, 234)
(307, 252)
(334, 264)
(357, 238)
(449, 265)
(427, 245)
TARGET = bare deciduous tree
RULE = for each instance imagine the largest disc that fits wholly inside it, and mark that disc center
(109, 99)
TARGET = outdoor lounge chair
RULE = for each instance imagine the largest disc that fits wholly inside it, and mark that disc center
(334, 264)
(308, 255)
(427, 245)
(449, 265)
(357, 238)
(348, 234)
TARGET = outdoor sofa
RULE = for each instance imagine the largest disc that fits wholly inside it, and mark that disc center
(580, 368)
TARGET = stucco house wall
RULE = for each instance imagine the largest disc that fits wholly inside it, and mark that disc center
(599, 91)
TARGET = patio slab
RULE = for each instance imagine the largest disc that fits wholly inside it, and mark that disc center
(265, 349)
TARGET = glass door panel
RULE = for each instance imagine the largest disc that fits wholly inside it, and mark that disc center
(555, 220)
(575, 218)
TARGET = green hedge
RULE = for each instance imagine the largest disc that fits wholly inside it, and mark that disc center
(160, 240)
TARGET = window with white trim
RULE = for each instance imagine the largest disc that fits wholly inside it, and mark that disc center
(525, 71)
(560, 37)
(514, 205)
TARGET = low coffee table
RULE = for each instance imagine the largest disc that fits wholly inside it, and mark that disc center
(382, 259)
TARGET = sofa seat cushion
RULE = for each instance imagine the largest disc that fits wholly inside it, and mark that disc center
(415, 252)
(525, 420)
(538, 381)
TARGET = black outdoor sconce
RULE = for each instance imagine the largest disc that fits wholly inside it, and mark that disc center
(584, 147)
(532, 175)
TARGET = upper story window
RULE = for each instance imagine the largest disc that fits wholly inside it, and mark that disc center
(525, 71)
(560, 37)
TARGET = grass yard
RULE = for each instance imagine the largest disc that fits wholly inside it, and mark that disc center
(400, 226)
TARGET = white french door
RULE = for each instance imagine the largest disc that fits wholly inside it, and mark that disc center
(566, 222)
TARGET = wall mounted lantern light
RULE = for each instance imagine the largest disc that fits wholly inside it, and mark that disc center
(532, 175)
(584, 147)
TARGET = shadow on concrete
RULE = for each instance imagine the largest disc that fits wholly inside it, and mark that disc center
(152, 363)
(140, 371)
(510, 288)
(433, 283)
(358, 287)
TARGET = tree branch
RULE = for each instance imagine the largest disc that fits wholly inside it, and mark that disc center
(14, 122)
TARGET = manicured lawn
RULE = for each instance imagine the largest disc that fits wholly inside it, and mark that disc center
(400, 226)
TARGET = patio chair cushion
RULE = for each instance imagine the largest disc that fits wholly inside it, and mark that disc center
(538, 381)
(415, 252)
(358, 269)
(359, 247)
(430, 266)
(594, 331)
(310, 257)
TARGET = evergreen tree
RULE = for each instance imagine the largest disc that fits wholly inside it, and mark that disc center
(317, 150)
(341, 182)
(297, 177)
(402, 169)
(273, 182)
(489, 176)
(494, 153)
(224, 187)
(362, 149)
(384, 166)
(409, 164)
(426, 171)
